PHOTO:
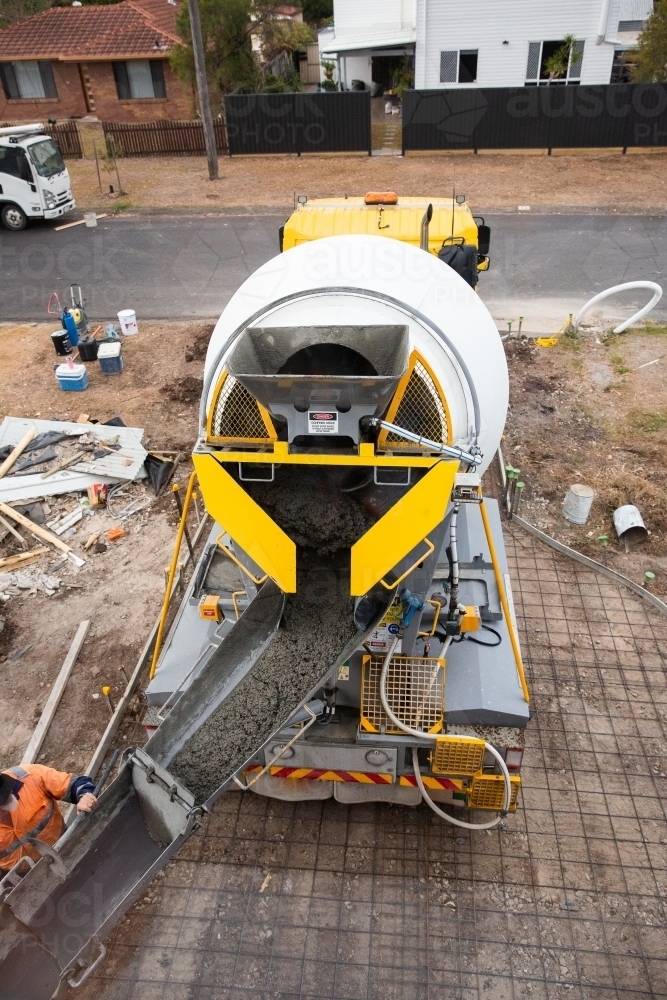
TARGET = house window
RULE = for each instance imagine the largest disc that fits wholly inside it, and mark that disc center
(620, 67)
(27, 80)
(139, 78)
(545, 67)
(458, 66)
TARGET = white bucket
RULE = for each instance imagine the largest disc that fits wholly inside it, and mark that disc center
(629, 525)
(577, 504)
(128, 322)
(90, 218)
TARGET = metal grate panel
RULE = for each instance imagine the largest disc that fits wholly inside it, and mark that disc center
(457, 755)
(420, 410)
(488, 792)
(236, 413)
(415, 692)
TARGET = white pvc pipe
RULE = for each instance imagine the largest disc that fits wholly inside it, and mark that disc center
(626, 286)
(604, 20)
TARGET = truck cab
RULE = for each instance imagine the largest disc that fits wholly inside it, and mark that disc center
(444, 227)
(34, 182)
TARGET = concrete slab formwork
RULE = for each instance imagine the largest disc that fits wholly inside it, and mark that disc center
(278, 900)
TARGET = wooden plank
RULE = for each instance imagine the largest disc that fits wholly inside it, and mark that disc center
(53, 700)
(17, 450)
(37, 530)
(23, 557)
(12, 530)
(79, 222)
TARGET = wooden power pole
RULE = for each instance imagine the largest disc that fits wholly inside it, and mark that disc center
(202, 89)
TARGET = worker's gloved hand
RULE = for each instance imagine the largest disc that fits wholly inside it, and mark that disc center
(86, 803)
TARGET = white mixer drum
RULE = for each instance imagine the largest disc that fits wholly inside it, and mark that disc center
(366, 280)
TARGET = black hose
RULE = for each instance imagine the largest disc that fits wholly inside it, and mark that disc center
(489, 645)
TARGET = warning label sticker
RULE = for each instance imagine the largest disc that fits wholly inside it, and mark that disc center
(381, 639)
(322, 422)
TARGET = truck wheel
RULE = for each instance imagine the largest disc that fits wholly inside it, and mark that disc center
(13, 217)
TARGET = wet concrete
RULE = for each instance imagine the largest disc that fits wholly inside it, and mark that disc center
(308, 505)
(317, 624)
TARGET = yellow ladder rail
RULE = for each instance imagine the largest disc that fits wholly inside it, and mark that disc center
(500, 583)
(172, 572)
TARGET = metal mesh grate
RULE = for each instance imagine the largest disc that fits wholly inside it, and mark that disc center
(488, 792)
(457, 756)
(420, 410)
(415, 692)
(236, 413)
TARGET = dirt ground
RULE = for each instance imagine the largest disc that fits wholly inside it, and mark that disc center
(583, 411)
(636, 182)
(120, 589)
(592, 410)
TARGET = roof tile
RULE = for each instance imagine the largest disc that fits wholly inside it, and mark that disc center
(132, 28)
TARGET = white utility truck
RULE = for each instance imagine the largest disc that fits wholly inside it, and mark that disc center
(34, 182)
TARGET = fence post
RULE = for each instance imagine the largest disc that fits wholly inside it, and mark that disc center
(297, 133)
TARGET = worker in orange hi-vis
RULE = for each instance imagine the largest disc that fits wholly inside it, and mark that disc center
(28, 810)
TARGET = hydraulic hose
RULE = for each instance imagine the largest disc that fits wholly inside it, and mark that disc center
(454, 555)
(428, 736)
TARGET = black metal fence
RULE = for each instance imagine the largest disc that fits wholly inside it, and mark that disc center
(299, 123)
(554, 117)
(163, 138)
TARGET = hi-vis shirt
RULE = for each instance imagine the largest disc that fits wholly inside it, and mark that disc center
(37, 817)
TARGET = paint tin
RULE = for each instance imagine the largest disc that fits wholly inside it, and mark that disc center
(128, 322)
(61, 343)
(577, 503)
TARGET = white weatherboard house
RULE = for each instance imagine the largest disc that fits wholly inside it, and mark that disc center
(483, 43)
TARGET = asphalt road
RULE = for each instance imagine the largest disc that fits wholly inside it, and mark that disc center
(174, 267)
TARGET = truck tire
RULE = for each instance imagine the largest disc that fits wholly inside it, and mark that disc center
(13, 217)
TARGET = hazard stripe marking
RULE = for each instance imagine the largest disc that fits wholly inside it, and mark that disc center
(321, 774)
(449, 783)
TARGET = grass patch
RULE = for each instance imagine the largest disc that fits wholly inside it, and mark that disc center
(649, 421)
(619, 366)
(121, 204)
(650, 330)
(614, 385)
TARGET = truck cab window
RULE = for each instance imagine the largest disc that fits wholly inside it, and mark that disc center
(14, 162)
(46, 158)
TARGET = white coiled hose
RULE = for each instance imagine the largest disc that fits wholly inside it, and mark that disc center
(415, 762)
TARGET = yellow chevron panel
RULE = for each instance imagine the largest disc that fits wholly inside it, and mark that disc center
(246, 522)
(402, 528)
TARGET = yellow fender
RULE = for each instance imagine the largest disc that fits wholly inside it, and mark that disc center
(253, 529)
(402, 528)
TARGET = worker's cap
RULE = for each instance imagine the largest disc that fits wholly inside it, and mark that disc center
(7, 782)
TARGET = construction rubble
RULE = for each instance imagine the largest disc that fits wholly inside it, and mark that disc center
(68, 491)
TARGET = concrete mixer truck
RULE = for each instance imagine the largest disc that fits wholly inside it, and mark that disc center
(349, 628)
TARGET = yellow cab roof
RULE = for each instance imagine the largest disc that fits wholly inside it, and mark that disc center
(402, 221)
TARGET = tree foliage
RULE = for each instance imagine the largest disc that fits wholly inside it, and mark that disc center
(649, 60)
(228, 28)
(317, 12)
(12, 11)
(557, 64)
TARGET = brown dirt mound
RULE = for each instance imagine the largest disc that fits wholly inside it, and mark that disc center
(184, 390)
(197, 348)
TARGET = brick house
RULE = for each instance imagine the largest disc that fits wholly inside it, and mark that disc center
(108, 62)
